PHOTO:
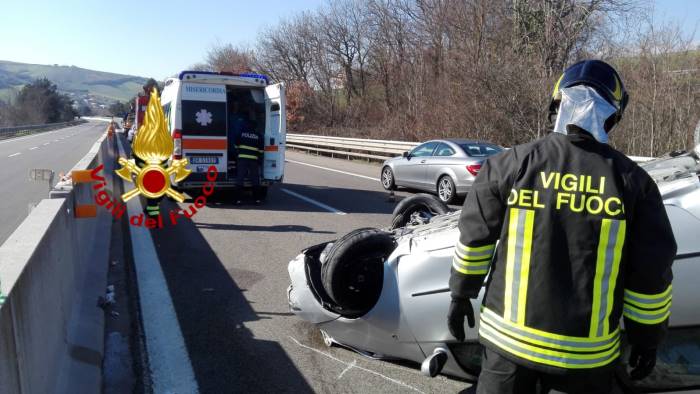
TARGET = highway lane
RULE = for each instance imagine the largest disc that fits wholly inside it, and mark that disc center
(226, 271)
(58, 150)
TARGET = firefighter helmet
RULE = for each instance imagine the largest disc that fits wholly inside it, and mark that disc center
(600, 76)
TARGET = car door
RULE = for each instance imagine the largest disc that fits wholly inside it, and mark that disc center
(412, 172)
(436, 164)
(275, 132)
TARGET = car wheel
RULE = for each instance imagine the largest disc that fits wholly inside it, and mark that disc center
(446, 190)
(388, 178)
(418, 209)
(353, 270)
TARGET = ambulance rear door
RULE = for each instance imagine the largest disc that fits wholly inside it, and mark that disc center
(275, 132)
(204, 127)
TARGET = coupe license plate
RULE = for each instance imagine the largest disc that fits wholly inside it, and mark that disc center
(204, 160)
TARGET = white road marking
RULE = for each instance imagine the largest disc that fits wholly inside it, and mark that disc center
(314, 202)
(34, 147)
(334, 170)
(14, 154)
(354, 362)
(170, 366)
(46, 143)
(400, 383)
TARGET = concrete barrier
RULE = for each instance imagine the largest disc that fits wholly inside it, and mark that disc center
(53, 268)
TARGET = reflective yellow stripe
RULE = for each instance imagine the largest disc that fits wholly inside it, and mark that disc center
(546, 356)
(470, 260)
(648, 312)
(525, 265)
(647, 308)
(610, 243)
(648, 300)
(646, 316)
(598, 278)
(244, 156)
(476, 258)
(510, 261)
(467, 263)
(476, 250)
(467, 271)
(543, 338)
(660, 319)
(471, 264)
(612, 281)
(518, 263)
(248, 147)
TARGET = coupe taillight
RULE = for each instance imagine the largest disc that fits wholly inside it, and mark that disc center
(474, 168)
(177, 143)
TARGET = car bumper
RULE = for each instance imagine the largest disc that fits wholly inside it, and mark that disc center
(463, 187)
(300, 297)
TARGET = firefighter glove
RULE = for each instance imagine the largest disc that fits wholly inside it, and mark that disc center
(459, 308)
(642, 362)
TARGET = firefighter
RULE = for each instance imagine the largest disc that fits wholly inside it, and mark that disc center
(583, 239)
(249, 147)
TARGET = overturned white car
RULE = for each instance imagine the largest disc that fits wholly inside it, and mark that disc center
(384, 293)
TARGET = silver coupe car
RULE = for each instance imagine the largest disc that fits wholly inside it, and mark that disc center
(445, 167)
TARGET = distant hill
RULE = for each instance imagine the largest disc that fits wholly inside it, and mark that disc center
(81, 82)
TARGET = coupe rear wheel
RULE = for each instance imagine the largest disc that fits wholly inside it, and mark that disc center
(446, 190)
(418, 209)
(388, 179)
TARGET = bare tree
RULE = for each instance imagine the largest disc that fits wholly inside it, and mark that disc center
(228, 58)
(419, 69)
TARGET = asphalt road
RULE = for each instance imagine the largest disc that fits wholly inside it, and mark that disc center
(226, 271)
(57, 150)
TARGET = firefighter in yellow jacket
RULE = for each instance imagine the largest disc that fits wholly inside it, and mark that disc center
(575, 236)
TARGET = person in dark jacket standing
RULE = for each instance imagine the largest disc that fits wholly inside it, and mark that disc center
(250, 148)
(575, 236)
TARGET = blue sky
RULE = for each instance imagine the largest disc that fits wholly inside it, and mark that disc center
(159, 38)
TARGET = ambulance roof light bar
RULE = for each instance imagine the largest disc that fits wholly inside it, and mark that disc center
(192, 74)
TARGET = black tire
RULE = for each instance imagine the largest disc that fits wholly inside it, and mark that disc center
(446, 189)
(424, 205)
(353, 270)
(387, 178)
(326, 251)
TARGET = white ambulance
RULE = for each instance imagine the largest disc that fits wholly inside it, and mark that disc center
(202, 108)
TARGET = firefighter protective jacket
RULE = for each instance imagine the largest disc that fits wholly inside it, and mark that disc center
(583, 238)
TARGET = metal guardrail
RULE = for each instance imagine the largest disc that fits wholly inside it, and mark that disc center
(364, 148)
(15, 131)
(349, 147)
